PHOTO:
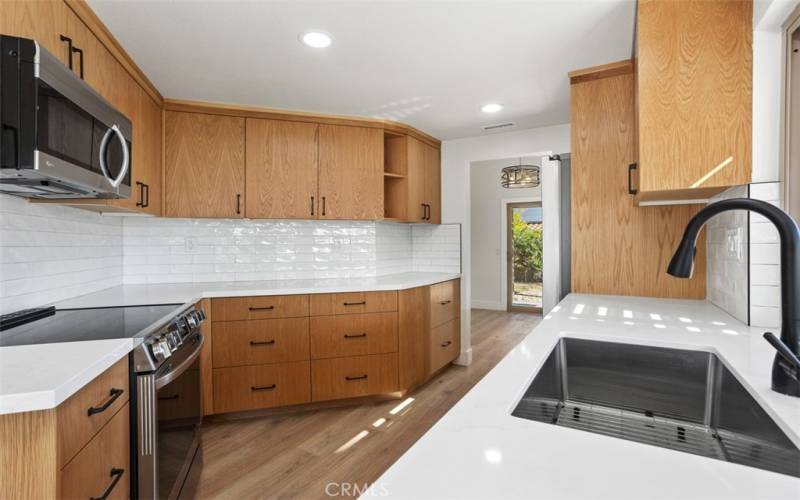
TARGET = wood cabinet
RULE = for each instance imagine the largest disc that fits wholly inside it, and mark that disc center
(412, 181)
(268, 351)
(204, 165)
(350, 172)
(694, 66)
(617, 247)
(80, 449)
(43, 21)
(281, 170)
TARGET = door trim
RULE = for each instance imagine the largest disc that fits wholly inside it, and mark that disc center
(510, 307)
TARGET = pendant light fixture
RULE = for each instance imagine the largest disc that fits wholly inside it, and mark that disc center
(520, 176)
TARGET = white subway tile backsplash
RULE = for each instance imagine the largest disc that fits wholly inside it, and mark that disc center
(726, 271)
(766, 191)
(765, 274)
(764, 260)
(769, 317)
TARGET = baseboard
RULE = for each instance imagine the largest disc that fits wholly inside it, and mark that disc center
(465, 359)
(488, 304)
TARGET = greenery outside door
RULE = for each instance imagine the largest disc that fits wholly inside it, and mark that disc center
(524, 256)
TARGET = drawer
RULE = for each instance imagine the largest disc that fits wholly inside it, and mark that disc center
(261, 386)
(262, 307)
(355, 302)
(445, 344)
(353, 335)
(338, 378)
(102, 465)
(86, 412)
(444, 302)
(258, 342)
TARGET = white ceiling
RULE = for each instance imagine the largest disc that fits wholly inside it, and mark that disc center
(429, 64)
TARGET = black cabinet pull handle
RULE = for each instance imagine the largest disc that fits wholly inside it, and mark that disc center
(263, 387)
(265, 308)
(238, 204)
(447, 343)
(360, 377)
(169, 398)
(80, 53)
(354, 335)
(140, 203)
(146, 196)
(117, 475)
(323, 205)
(312, 205)
(113, 395)
(445, 302)
(69, 50)
(631, 168)
(428, 212)
(362, 303)
(424, 211)
(265, 342)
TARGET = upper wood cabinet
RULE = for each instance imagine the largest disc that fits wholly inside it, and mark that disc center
(412, 182)
(204, 166)
(694, 90)
(281, 170)
(350, 172)
(43, 21)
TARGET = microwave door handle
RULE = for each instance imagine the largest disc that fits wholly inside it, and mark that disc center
(125, 156)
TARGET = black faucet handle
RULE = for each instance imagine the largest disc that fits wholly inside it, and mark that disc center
(793, 367)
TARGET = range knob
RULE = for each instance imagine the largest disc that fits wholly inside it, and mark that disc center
(191, 319)
(173, 340)
(160, 350)
(201, 314)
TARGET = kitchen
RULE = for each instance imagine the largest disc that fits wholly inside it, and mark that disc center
(239, 258)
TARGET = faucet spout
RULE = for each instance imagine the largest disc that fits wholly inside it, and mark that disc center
(784, 380)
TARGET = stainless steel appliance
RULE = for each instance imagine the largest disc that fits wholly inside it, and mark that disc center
(59, 138)
(168, 409)
(165, 400)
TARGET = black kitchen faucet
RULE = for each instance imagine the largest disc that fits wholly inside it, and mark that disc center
(786, 367)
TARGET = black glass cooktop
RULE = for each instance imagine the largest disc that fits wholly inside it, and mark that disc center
(75, 325)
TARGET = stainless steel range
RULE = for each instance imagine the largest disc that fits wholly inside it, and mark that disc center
(168, 409)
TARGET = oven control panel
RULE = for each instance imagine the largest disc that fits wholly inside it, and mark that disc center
(162, 345)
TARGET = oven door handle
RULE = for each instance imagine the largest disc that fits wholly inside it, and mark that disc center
(176, 372)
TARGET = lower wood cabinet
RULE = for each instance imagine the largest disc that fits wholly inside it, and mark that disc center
(243, 388)
(81, 449)
(269, 351)
(354, 376)
(101, 469)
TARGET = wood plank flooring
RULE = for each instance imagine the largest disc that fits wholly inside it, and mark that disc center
(296, 455)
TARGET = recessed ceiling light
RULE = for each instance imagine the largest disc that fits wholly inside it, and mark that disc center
(492, 107)
(316, 39)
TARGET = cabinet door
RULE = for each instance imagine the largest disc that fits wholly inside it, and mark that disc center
(147, 160)
(43, 21)
(282, 169)
(417, 211)
(204, 169)
(694, 82)
(433, 184)
(350, 172)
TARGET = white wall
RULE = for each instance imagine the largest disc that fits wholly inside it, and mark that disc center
(456, 158)
(488, 223)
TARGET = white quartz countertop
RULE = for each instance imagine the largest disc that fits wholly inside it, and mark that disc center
(478, 450)
(169, 293)
(42, 376)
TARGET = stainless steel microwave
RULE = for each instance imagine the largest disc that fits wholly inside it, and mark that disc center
(60, 138)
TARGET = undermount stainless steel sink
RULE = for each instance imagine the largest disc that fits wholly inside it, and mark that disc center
(673, 398)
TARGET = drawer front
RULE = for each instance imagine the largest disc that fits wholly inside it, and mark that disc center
(103, 464)
(338, 378)
(444, 302)
(352, 303)
(258, 342)
(263, 307)
(353, 335)
(445, 344)
(86, 412)
(262, 386)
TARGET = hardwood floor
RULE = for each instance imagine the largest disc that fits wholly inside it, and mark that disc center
(296, 455)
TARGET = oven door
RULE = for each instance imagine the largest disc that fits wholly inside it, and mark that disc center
(168, 427)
